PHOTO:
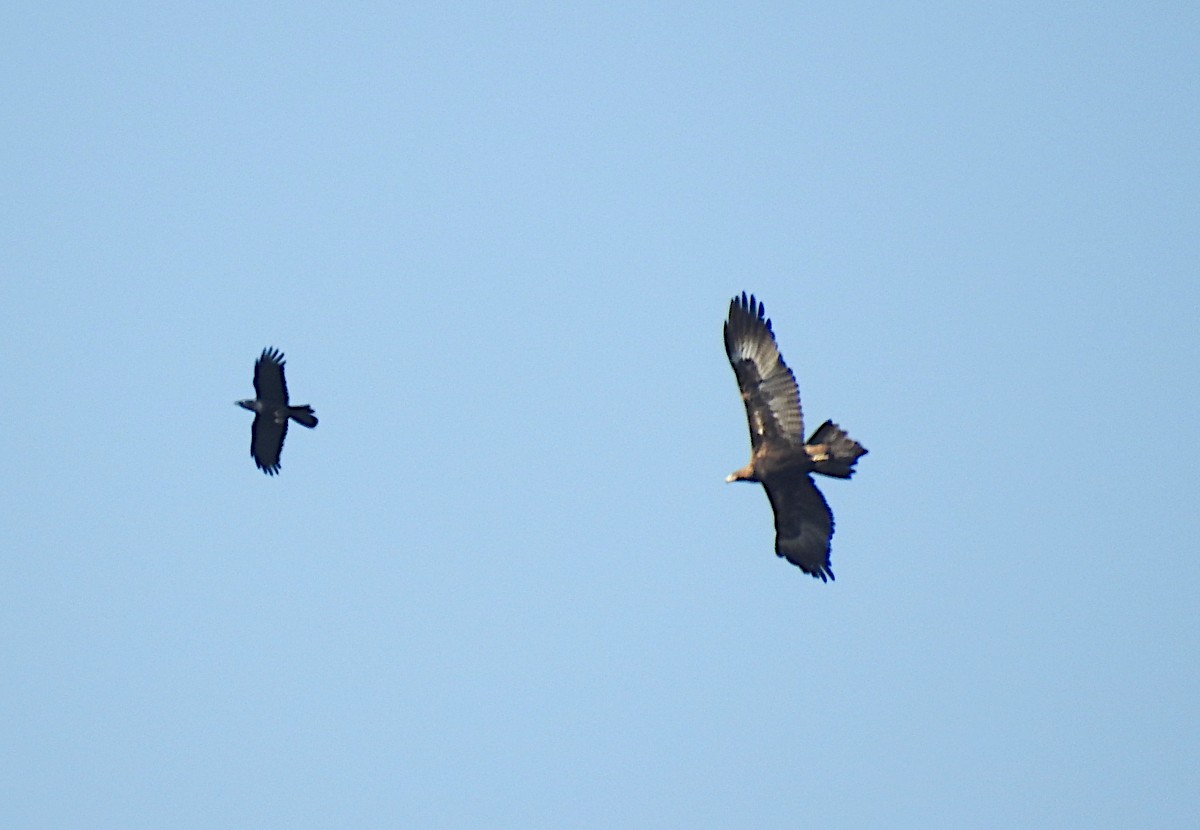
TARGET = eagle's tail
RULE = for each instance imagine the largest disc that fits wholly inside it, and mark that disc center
(303, 415)
(840, 449)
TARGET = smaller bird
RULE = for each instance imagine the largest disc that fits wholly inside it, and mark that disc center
(272, 411)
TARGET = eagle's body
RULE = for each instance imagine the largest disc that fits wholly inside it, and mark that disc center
(272, 411)
(780, 459)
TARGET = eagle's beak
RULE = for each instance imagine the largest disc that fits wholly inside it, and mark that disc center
(729, 478)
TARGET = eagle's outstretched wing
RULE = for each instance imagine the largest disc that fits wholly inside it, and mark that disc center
(269, 383)
(268, 430)
(803, 523)
(768, 385)
(266, 441)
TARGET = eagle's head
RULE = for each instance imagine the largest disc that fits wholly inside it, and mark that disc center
(745, 474)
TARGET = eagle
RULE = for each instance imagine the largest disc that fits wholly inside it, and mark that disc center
(780, 459)
(272, 411)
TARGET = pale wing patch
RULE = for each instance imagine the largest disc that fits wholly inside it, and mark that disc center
(775, 387)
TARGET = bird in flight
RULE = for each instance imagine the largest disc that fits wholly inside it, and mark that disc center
(272, 411)
(780, 459)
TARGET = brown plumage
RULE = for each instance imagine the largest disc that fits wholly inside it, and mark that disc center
(272, 411)
(780, 459)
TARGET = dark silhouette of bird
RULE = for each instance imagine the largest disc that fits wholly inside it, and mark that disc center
(780, 459)
(272, 411)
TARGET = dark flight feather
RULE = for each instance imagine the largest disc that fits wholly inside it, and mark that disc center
(272, 411)
(780, 459)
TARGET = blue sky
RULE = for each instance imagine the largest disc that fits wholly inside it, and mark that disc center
(503, 583)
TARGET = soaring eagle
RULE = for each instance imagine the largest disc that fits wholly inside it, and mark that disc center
(272, 411)
(780, 459)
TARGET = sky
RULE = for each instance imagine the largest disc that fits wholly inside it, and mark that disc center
(503, 583)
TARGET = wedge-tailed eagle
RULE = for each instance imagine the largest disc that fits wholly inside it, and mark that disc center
(780, 459)
(272, 411)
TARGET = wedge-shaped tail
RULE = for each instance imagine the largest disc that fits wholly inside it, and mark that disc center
(303, 415)
(834, 452)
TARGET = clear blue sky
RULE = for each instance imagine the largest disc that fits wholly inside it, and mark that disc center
(503, 584)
